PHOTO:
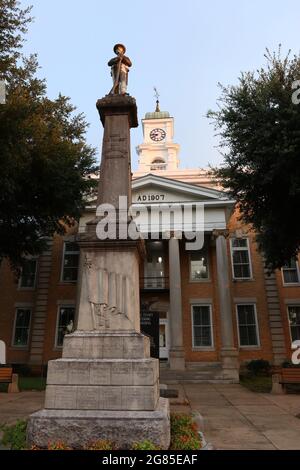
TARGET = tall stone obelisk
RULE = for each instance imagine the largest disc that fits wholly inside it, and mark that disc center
(106, 386)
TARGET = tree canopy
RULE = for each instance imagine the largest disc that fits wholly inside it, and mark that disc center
(44, 157)
(259, 127)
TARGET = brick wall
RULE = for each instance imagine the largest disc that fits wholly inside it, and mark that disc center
(254, 288)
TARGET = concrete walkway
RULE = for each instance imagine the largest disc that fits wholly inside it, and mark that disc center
(234, 417)
(14, 406)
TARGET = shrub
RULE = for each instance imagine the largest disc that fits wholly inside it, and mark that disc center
(259, 367)
(186, 443)
(180, 422)
(14, 436)
(100, 445)
(58, 445)
(144, 445)
(184, 433)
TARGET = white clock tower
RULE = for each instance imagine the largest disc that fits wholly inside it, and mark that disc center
(158, 152)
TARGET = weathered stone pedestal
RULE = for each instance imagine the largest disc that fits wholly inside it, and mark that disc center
(106, 386)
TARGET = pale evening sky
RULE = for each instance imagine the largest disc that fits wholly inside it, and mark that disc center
(184, 48)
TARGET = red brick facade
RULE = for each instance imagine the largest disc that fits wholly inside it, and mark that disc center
(60, 292)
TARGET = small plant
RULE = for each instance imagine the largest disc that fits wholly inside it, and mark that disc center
(180, 421)
(34, 447)
(184, 433)
(145, 445)
(100, 445)
(259, 367)
(186, 443)
(14, 436)
(58, 445)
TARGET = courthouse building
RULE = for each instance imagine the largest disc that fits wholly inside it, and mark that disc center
(202, 304)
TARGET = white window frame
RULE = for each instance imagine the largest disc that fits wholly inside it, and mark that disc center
(63, 262)
(20, 287)
(254, 346)
(13, 345)
(247, 248)
(202, 348)
(287, 284)
(62, 305)
(204, 279)
(288, 317)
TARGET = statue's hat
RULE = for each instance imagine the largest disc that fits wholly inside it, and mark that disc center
(119, 45)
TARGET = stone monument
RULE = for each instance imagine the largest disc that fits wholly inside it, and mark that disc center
(106, 386)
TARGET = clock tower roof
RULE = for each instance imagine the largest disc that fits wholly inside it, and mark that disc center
(157, 115)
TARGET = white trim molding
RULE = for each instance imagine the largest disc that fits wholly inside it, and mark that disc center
(22, 306)
(59, 306)
(247, 248)
(291, 284)
(30, 288)
(254, 346)
(65, 241)
(294, 304)
(203, 348)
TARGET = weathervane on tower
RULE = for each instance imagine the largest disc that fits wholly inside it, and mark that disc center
(156, 94)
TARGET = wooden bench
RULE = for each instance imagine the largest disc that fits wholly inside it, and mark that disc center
(286, 376)
(7, 376)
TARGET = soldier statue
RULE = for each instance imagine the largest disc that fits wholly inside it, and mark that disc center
(119, 70)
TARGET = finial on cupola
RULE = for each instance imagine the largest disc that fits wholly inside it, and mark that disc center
(156, 94)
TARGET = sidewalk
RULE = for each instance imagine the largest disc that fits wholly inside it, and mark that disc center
(234, 417)
(14, 406)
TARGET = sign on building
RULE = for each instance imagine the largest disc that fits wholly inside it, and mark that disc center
(150, 327)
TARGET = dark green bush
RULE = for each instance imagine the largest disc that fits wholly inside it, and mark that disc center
(14, 436)
(259, 367)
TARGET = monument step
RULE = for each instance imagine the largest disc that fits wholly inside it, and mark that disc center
(103, 372)
(99, 397)
(78, 428)
(106, 345)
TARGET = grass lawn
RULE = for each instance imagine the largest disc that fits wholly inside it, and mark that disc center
(28, 383)
(257, 383)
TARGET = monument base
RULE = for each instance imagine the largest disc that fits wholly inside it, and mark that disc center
(78, 428)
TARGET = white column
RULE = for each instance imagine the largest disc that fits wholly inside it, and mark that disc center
(175, 318)
(229, 353)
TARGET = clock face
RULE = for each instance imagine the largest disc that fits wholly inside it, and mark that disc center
(157, 135)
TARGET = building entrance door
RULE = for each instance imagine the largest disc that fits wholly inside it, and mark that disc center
(164, 338)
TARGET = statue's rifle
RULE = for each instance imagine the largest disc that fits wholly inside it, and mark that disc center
(118, 74)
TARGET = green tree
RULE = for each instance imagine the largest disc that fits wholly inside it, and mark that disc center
(44, 158)
(259, 128)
